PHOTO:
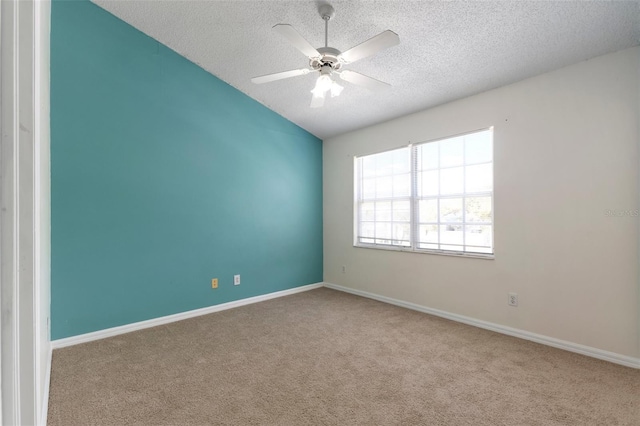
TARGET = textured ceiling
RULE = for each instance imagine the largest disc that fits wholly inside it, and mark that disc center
(447, 51)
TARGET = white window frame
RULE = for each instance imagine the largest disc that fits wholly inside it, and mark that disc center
(408, 198)
(415, 199)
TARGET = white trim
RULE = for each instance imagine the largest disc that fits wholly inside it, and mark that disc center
(114, 331)
(14, 194)
(538, 338)
(18, 227)
(44, 410)
(470, 255)
(41, 205)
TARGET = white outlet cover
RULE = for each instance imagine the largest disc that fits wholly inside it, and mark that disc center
(236, 280)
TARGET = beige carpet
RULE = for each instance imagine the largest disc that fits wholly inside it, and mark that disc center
(329, 358)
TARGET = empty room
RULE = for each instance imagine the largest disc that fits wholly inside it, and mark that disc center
(311, 212)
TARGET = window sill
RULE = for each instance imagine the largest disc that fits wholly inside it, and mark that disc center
(438, 253)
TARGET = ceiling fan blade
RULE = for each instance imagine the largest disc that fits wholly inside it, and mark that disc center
(317, 101)
(373, 45)
(294, 37)
(363, 80)
(279, 76)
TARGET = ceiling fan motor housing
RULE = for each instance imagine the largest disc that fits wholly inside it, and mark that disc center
(329, 58)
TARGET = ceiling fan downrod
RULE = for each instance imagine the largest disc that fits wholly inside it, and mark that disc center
(326, 13)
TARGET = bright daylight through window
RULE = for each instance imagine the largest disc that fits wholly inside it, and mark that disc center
(431, 197)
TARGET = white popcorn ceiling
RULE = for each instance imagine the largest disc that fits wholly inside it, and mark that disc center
(447, 51)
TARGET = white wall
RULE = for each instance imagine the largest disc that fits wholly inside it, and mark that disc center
(565, 150)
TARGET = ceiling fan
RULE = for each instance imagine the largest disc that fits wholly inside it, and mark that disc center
(328, 61)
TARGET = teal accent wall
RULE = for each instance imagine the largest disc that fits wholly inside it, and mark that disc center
(164, 177)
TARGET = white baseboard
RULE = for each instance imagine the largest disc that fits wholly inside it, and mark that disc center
(538, 338)
(109, 332)
(45, 394)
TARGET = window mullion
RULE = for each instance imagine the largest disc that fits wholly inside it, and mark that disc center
(413, 214)
(359, 198)
(439, 228)
(464, 195)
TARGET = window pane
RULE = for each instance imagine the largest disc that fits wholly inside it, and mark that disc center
(478, 209)
(428, 156)
(401, 161)
(401, 233)
(401, 211)
(428, 210)
(478, 147)
(383, 231)
(478, 249)
(384, 187)
(478, 235)
(368, 189)
(429, 183)
(368, 166)
(451, 181)
(428, 246)
(428, 233)
(402, 185)
(451, 152)
(384, 163)
(451, 210)
(383, 211)
(367, 211)
(451, 234)
(367, 229)
(479, 178)
(451, 248)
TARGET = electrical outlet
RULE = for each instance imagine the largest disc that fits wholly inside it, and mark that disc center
(214, 283)
(236, 280)
(344, 269)
(513, 299)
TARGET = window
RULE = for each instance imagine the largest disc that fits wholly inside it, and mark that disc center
(384, 201)
(433, 197)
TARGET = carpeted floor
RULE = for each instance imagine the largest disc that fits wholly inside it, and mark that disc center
(324, 357)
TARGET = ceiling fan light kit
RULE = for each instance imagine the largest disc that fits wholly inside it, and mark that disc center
(328, 61)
